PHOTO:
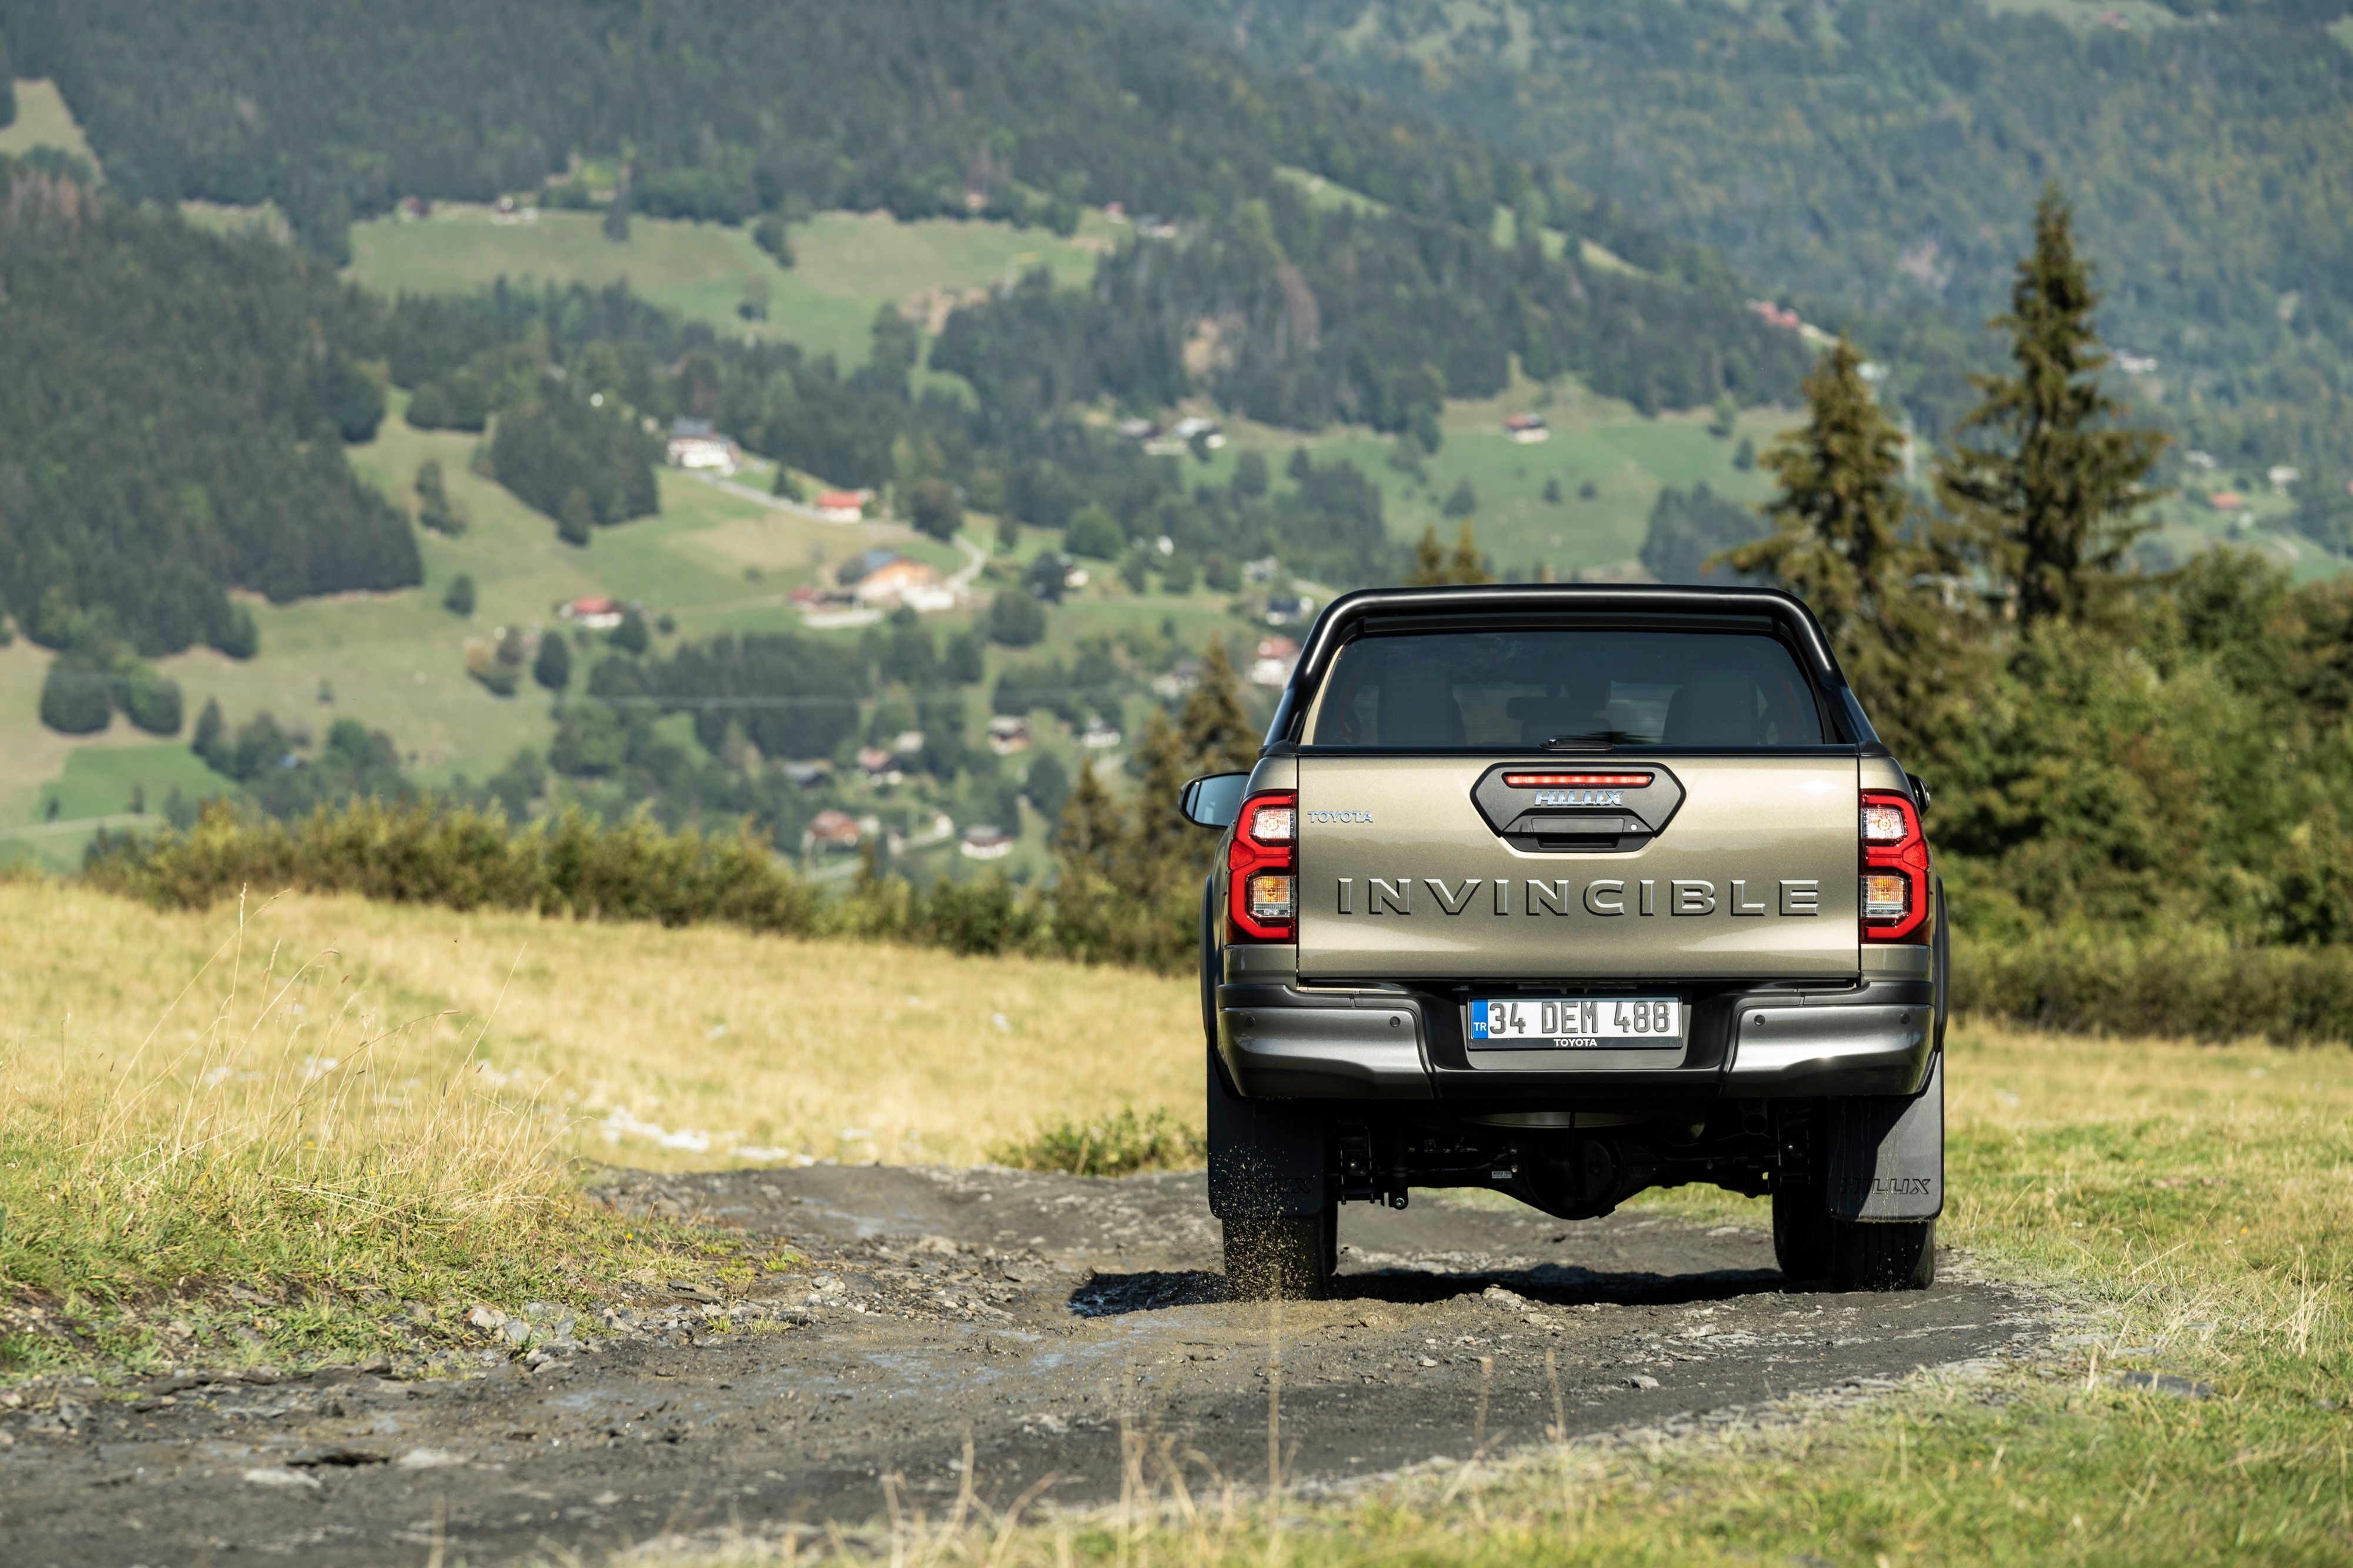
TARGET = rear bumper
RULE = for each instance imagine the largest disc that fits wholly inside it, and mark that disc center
(1280, 1041)
(1876, 1040)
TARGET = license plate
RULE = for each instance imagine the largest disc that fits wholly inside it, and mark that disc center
(1577, 1023)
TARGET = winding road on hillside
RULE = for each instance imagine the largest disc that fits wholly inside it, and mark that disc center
(1050, 1322)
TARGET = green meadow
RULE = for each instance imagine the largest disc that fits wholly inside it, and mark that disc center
(847, 265)
(43, 120)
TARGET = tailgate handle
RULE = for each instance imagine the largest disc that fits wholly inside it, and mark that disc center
(1582, 811)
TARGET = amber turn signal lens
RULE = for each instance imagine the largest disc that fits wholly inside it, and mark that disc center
(1274, 897)
(1886, 898)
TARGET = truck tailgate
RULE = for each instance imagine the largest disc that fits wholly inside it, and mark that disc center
(1457, 868)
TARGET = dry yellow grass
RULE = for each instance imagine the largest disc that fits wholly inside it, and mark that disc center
(646, 1047)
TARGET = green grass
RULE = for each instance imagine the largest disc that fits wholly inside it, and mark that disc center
(847, 266)
(43, 120)
(1627, 458)
(103, 781)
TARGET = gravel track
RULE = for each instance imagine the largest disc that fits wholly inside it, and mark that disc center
(1037, 1317)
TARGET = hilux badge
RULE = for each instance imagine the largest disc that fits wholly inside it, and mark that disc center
(1580, 797)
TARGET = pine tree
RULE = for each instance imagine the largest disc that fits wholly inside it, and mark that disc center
(1218, 733)
(1429, 560)
(1435, 566)
(1841, 518)
(1849, 541)
(1091, 827)
(552, 667)
(1466, 564)
(2051, 498)
(210, 741)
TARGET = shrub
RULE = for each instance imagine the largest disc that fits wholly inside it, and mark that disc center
(1094, 533)
(1016, 618)
(935, 508)
(76, 696)
(151, 702)
(1117, 1145)
(459, 599)
(2189, 983)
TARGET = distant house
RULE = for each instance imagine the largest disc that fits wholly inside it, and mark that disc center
(1778, 315)
(1171, 440)
(693, 444)
(2134, 364)
(1008, 734)
(2226, 501)
(1283, 608)
(829, 830)
(2282, 478)
(1526, 428)
(594, 611)
(1276, 658)
(1172, 684)
(903, 581)
(842, 506)
(986, 841)
(1098, 736)
(808, 776)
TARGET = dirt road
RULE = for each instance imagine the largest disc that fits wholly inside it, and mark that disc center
(1038, 1315)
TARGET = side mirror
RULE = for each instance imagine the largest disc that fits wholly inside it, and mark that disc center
(1919, 792)
(1214, 800)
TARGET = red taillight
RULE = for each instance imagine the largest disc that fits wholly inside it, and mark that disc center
(1894, 868)
(1262, 869)
(1575, 781)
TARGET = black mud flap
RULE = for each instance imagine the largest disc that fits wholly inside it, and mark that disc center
(1887, 1154)
(1268, 1158)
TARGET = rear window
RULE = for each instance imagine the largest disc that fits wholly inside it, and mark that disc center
(1507, 691)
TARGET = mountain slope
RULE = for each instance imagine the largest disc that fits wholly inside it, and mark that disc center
(1021, 108)
(1885, 157)
(172, 412)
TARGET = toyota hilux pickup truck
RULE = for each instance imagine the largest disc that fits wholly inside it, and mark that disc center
(1570, 892)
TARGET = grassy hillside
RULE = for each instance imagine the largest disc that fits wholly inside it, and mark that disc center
(2187, 1202)
(613, 1040)
(43, 120)
(847, 265)
(395, 660)
(1884, 158)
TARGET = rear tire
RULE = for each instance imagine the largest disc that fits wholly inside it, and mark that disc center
(1901, 1256)
(1802, 1232)
(1286, 1259)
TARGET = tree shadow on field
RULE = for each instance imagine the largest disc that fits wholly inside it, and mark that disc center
(1547, 1285)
